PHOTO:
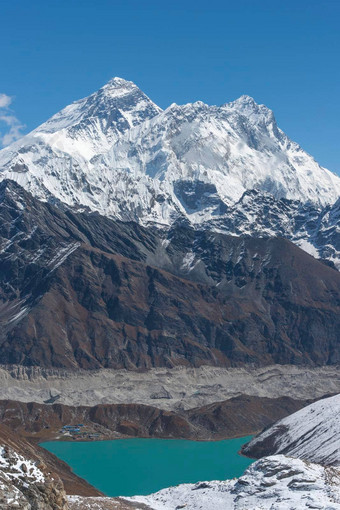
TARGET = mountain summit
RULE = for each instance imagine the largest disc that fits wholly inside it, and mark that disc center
(117, 96)
(118, 153)
(91, 125)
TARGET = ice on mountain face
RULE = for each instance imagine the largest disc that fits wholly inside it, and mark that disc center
(119, 104)
(84, 129)
(273, 483)
(313, 228)
(118, 153)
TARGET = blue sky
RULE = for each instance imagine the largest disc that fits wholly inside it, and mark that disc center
(283, 53)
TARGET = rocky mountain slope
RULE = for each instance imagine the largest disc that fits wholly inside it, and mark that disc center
(227, 168)
(315, 229)
(81, 290)
(312, 433)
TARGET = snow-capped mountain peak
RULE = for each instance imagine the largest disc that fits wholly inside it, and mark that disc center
(117, 96)
(80, 131)
(91, 125)
(257, 114)
(245, 104)
(118, 153)
(117, 85)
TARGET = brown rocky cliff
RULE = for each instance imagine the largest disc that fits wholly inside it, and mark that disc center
(238, 416)
(79, 290)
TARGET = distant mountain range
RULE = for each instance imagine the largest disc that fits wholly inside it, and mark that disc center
(227, 169)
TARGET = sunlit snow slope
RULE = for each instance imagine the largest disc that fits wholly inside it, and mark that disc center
(313, 433)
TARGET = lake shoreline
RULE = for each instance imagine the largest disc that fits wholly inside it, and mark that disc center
(52, 438)
(233, 419)
(75, 484)
(236, 417)
(127, 462)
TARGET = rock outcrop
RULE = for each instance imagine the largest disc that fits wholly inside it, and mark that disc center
(272, 483)
(58, 477)
(27, 485)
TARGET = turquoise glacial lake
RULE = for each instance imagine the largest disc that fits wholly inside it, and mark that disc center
(126, 467)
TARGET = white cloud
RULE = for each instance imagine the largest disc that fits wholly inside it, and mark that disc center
(5, 100)
(11, 127)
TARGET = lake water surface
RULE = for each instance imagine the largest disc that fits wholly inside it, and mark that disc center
(126, 467)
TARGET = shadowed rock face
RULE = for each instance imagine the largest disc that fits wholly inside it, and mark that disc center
(80, 290)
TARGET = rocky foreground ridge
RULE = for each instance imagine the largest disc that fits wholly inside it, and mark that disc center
(272, 483)
(55, 470)
(25, 485)
(27, 481)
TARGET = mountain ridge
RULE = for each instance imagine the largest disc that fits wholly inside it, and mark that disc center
(120, 106)
(117, 153)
